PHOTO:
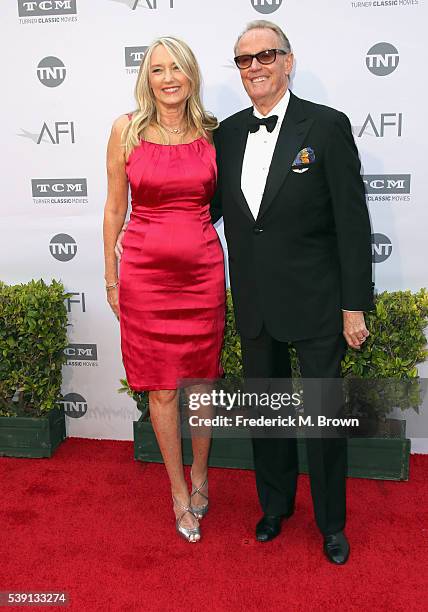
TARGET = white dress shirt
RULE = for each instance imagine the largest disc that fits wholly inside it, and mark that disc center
(258, 156)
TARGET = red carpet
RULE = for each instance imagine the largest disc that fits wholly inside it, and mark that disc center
(99, 525)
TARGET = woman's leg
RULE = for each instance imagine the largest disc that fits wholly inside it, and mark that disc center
(201, 443)
(165, 419)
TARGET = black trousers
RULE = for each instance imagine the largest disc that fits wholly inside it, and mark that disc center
(275, 459)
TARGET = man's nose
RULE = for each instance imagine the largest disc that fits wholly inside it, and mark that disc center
(255, 65)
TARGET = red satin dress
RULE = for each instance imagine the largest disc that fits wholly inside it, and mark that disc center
(172, 287)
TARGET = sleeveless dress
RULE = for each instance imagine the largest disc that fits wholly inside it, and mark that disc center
(172, 286)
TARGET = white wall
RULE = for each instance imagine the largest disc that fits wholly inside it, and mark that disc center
(330, 39)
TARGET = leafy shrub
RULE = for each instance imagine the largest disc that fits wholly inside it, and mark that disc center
(397, 341)
(33, 323)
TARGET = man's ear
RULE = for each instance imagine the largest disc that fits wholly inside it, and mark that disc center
(289, 61)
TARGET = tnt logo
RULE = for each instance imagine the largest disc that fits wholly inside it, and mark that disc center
(74, 405)
(51, 71)
(266, 6)
(381, 248)
(63, 247)
(382, 59)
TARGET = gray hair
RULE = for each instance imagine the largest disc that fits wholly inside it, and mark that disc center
(262, 24)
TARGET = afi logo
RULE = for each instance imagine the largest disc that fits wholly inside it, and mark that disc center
(386, 121)
(150, 4)
(60, 128)
(38, 8)
(266, 6)
(51, 71)
(382, 59)
(75, 298)
(381, 248)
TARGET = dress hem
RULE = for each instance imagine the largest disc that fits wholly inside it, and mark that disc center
(174, 387)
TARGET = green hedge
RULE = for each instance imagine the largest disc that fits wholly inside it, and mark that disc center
(395, 346)
(33, 324)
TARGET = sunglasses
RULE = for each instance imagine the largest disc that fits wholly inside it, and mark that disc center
(263, 57)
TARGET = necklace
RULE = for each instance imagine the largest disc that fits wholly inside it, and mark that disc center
(177, 130)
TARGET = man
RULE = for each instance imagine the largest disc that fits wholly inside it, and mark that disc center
(298, 236)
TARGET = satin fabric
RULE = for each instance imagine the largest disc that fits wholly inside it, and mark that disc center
(172, 286)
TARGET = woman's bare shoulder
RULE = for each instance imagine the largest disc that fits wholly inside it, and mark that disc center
(120, 123)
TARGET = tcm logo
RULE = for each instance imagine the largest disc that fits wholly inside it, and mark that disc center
(51, 71)
(381, 248)
(40, 8)
(266, 6)
(51, 188)
(387, 184)
(75, 300)
(63, 247)
(382, 59)
(386, 123)
(81, 354)
(74, 405)
(134, 56)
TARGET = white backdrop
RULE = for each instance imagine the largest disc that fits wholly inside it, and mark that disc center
(69, 69)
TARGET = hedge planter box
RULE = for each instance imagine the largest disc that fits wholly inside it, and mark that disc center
(32, 436)
(385, 458)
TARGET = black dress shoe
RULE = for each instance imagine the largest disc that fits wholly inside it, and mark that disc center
(336, 548)
(268, 527)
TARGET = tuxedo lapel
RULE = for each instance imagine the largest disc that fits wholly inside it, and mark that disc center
(236, 150)
(294, 128)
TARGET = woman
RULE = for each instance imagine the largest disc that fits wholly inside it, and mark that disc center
(170, 297)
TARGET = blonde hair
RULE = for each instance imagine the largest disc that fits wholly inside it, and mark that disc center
(147, 113)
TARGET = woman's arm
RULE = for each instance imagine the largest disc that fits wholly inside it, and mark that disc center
(115, 208)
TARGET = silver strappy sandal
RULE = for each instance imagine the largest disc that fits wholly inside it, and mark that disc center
(186, 532)
(199, 511)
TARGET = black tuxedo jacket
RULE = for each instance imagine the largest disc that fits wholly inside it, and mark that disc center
(307, 256)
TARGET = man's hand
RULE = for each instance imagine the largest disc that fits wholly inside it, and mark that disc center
(118, 249)
(113, 300)
(354, 328)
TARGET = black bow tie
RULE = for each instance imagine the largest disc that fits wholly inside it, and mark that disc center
(254, 123)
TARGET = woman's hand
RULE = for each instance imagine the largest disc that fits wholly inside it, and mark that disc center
(113, 300)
